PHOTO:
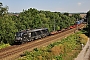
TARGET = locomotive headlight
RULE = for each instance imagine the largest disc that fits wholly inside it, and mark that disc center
(21, 38)
(24, 37)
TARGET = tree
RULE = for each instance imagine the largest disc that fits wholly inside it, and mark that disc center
(88, 17)
(88, 14)
(7, 29)
(31, 18)
(7, 26)
(77, 16)
(88, 21)
(67, 14)
(3, 10)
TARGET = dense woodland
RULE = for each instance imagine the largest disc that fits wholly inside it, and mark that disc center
(31, 19)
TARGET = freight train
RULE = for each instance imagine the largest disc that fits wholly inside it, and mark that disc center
(30, 35)
(34, 34)
(77, 23)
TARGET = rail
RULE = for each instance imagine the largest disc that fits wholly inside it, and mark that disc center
(15, 52)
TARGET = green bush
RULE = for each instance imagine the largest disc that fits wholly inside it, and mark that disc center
(2, 45)
(83, 38)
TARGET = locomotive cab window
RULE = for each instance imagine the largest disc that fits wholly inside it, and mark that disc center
(19, 34)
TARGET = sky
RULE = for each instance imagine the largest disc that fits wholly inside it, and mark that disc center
(70, 6)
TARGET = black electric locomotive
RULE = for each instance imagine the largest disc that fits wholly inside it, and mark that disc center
(29, 35)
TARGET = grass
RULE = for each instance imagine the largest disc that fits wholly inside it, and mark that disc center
(2, 45)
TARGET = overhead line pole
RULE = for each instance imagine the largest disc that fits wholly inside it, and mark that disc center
(77, 24)
(54, 24)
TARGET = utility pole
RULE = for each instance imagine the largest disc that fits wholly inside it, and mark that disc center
(77, 23)
(54, 24)
(87, 21)
(88, 27)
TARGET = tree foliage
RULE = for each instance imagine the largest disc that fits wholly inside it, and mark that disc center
(88, 14)
(77, 16)
(7, 27)
(3, 10)
(31, 19)
(66, 14)
(88, 21)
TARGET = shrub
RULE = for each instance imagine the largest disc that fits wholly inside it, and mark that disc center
(56, 50)
(2, 45)
(39, 57)
(83, 38)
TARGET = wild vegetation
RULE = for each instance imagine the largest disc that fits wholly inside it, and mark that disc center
(3, 45)
(66, 49)
(7, 26)
(33, 18)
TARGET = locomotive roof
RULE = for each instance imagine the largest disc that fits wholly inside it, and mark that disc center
(28, 30)
(38, 29)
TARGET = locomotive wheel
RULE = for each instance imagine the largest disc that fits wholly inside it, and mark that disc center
(36, 38)
(40, 37)
(25, 40)
(32, 39)
(22, 42)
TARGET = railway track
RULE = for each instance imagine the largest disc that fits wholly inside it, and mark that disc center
(12, 52)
